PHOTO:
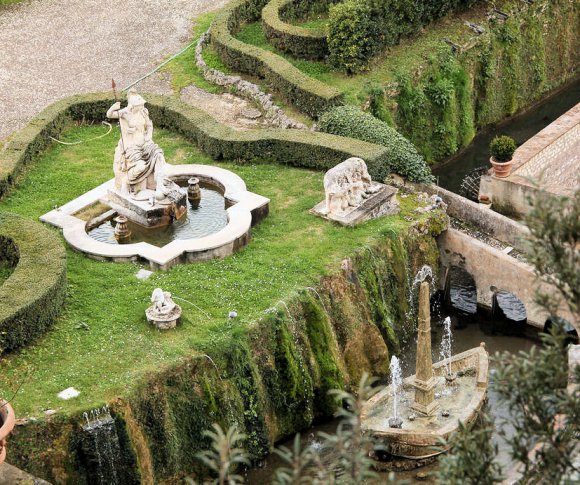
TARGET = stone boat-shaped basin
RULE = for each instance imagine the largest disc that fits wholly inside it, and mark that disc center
(419, 438)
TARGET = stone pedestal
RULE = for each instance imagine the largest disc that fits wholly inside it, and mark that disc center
(424, 381)
(140, 210)
(382, 202)
(163, 321)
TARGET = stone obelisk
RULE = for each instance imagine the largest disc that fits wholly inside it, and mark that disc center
(424, 382)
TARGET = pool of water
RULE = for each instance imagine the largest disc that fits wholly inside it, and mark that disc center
(208, 218)
(521, 128)
(466, 335)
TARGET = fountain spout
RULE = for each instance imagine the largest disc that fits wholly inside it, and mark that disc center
(424, 381)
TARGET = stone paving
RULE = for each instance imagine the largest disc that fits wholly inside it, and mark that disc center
(51, 49)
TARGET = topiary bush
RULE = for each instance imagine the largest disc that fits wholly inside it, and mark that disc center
(298, 41)
(502, 148)
(350, 40)
(402, 156)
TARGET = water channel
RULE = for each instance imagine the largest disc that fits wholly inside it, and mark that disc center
(522, 127)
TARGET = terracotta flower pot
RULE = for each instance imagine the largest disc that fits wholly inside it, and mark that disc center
(8, 421)
(501, 169)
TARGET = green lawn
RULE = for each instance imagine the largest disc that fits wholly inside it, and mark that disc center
(115, 346)
(183, 70)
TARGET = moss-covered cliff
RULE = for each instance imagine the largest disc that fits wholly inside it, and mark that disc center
(271, 379)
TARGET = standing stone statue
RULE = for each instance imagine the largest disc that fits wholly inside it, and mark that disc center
(139, 162)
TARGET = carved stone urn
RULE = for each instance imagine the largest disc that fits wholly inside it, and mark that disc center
(8, 421)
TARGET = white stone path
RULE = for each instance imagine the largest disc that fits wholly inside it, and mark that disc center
(51, 49)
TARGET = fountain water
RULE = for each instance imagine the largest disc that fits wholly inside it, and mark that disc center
(447, 347)
(396, 381)
(100, 448)
(417, 441)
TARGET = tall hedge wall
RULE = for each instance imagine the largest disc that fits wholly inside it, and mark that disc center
(305, 93)
(33, 295)
(299, 41)
(360, 29)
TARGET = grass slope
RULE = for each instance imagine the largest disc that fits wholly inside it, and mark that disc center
(102, 343)
(405, 58)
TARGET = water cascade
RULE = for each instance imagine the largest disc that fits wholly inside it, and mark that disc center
(396, 381)
(100, 448)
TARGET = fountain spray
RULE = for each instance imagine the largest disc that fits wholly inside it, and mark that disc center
(396, 381)
(446, 351)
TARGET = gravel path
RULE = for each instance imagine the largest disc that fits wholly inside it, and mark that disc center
(50, 49)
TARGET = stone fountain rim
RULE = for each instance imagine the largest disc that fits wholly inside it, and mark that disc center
(219, 244)
(428, 439)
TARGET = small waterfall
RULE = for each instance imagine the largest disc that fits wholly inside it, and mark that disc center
(100, 447)
(396, 382)
(446, 351)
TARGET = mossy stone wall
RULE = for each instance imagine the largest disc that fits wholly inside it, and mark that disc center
(533, 52)
(271, 379)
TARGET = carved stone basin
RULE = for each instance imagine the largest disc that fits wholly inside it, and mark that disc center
(417, 440)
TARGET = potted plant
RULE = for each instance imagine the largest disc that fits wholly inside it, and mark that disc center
(7, 422)
(502, 149)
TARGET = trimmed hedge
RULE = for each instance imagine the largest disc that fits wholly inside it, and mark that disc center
(360, 29)
(305, 93)
(403, 158)
(298, 41)
(293, 147)
(32, 296)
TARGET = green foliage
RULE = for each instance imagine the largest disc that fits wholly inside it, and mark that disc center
(545, 417)
(403, 157)
(308, 43)
(32, 296)
(378, 104)
(472, 458)
(307, 94)
(350, 35)
(360, 29)
(502, 148)
(554, 249)
(351, 449)
(436, 112)
(225, 455)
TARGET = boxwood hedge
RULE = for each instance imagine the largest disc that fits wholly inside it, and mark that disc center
(32, 296)
(298, 41)
(305, 93)
(299, 148)
(403, 158)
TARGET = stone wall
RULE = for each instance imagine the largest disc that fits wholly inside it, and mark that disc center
(548, 160)
(496, 225)
(494, 270)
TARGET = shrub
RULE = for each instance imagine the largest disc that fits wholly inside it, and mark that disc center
(359, 29)
(350, 39)
(31, 298)
(402, 156)
(502, 148)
